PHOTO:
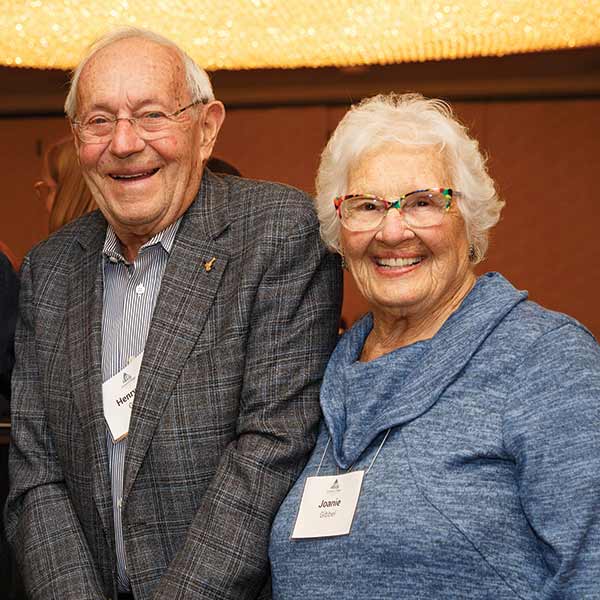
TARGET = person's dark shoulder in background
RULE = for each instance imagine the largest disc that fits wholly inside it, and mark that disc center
(9, 292)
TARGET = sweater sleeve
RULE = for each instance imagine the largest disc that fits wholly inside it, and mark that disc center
(552, 428)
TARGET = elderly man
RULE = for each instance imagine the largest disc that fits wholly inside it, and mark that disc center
(169, 350)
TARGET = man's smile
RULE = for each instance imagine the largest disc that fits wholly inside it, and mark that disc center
(133, 175)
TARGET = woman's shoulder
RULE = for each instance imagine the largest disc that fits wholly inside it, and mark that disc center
(535, 323)
(525, 321)
(535, 357)
(553, 373)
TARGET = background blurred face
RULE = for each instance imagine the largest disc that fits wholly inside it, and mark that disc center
(141, 186)
(400, 271)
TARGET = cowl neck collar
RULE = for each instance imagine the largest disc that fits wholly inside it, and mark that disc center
(360, 400)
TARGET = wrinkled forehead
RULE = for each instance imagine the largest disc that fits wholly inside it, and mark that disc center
(132, 71)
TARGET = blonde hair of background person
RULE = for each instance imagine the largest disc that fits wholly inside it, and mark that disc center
(67, 195)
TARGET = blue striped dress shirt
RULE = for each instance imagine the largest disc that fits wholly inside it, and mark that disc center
(130, 293)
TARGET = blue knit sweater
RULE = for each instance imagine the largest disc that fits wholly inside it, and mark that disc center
(488, 486)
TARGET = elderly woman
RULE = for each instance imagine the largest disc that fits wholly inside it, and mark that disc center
(459, 457)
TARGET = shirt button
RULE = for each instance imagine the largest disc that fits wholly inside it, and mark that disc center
(120, 503)
(140, 289)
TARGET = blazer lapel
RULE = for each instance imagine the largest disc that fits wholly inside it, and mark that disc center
(188, 290)
(84, 331)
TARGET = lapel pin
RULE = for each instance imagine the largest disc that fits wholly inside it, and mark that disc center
(208, 264)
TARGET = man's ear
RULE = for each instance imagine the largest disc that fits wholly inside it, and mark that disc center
(213, 116)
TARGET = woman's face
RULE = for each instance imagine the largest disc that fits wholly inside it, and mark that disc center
(402, 271)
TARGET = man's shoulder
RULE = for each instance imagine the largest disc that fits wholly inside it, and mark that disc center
(257, 200)
(86, 230)
(271, 191)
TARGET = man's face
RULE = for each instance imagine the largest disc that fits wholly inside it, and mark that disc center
(142, 186)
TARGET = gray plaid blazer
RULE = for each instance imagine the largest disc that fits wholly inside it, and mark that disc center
(225, 412)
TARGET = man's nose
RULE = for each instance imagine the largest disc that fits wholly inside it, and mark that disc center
(394, 228)
(125, 139)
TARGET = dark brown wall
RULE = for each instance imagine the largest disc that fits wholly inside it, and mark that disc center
(543, 155)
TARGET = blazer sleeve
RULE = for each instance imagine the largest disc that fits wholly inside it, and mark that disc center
(293, 330)
(553, 431)
(41, 523)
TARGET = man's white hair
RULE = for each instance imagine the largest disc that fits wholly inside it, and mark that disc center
(197, 79)
(410, 120)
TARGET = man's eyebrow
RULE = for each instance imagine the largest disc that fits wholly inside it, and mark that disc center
(147, 101)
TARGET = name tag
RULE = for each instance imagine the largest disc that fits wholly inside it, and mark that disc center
(328, 505)
(118, 393)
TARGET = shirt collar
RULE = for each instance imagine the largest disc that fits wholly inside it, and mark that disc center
(112, 245)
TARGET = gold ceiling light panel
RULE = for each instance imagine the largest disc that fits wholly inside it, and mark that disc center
(250, 34)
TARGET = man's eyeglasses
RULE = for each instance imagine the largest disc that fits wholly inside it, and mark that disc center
(421, 208)
(151, 125)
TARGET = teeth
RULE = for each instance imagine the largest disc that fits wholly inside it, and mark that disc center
(135, 175)
(130, 176)
(398, 262)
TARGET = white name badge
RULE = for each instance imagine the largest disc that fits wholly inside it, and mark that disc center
(118, 393)
(328, 505)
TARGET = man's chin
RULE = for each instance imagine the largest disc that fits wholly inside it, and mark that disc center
(141, 222)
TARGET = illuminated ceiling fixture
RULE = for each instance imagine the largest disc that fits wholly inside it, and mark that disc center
(249, 34)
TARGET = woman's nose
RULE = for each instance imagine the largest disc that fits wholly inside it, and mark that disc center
(394, 228)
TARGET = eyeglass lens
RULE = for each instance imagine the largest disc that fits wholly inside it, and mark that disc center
(150, 126)
(421, 209)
